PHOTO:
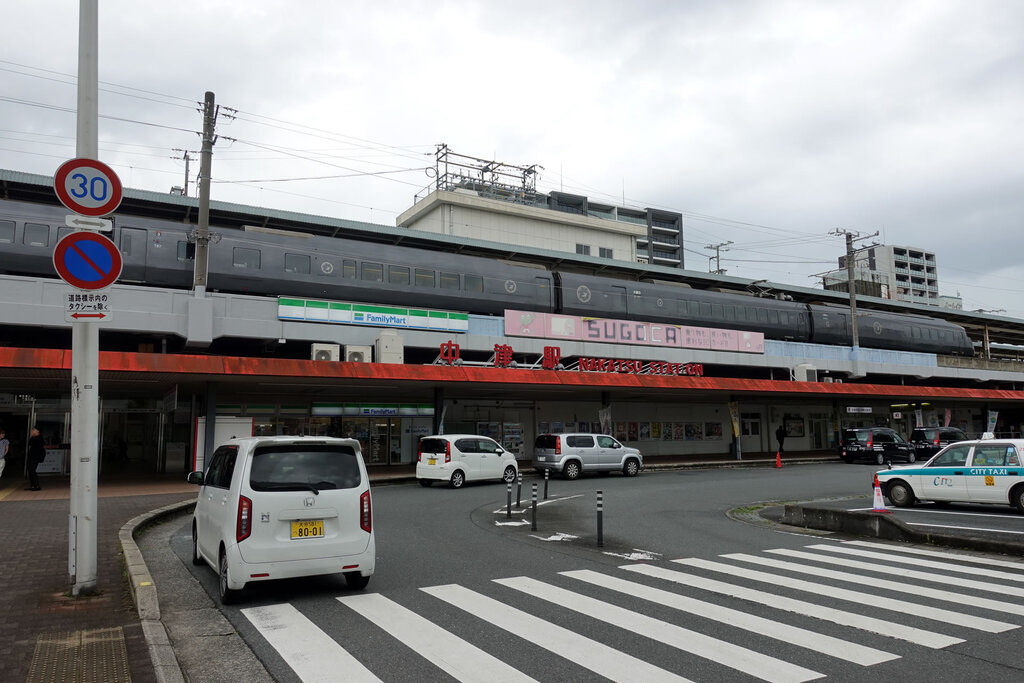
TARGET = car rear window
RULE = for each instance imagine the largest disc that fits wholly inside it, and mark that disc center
(580, 441)
(924, 434)
(546, 441)
(433, 445)
(289, 467)
(855, 436)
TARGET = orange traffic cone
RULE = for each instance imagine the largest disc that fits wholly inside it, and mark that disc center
(879, 504)
(778, 458)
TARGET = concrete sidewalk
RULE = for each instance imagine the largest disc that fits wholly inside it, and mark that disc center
(46, 635)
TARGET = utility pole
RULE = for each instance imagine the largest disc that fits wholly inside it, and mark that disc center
(850, 237)
(718, 248)
(185, 156)
(202, 233)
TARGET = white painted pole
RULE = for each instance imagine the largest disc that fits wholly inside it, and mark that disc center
(85, 340)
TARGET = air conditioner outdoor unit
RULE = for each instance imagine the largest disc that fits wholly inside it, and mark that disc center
(326, 352)
(359, 354)
(805, 372)
(389, 347)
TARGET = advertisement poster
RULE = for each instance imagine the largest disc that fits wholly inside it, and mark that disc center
(645, 431)
(666, 431)
(656, 431)
(693, 431)
(713, 431)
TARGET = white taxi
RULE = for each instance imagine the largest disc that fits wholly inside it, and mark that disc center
(984, 471)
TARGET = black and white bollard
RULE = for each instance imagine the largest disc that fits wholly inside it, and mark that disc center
(534, 526)
(600, 519)
(519, 490)
(508, 509)
(546, 484)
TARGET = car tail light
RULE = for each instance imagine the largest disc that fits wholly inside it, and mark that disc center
(871, 440)
(935, 441)
(447, 451)
(365, 513)
(558, 445)
(243, 526)
(419, 453)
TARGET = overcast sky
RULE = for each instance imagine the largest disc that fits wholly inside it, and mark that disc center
(769, 124)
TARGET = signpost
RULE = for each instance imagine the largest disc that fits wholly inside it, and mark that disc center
(88, 187)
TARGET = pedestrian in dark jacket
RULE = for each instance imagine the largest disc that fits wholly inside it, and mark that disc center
(780, 435)
(36, 454)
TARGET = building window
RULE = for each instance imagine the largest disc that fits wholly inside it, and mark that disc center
(605, 252)
(583, 249)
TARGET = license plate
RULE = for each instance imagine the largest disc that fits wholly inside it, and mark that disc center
(308, 528)
(431, 461)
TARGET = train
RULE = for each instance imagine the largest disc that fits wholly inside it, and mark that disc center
(269, 262)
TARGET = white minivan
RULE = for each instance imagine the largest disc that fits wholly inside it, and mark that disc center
(282, 507)
(458, 458)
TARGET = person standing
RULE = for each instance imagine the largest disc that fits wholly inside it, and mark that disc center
(36, 454)
(780, 436)
(4, 446)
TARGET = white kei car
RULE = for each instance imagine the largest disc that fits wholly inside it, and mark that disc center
(458, 458)
(283, 507)
(987, 470)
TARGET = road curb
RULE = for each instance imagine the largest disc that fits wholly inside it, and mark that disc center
(143, 588)
(881, 525)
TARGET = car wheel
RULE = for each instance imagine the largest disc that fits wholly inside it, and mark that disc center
(911, 457)
(632, 468)
(457, 480)
(900, 494)
(356, 581)
(571, 470)
(196, 559)
(880, 458)
(227, 595)
(510, 475)
(425, 482)
(1017, 498)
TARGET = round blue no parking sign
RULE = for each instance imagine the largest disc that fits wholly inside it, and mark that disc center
(87, 260)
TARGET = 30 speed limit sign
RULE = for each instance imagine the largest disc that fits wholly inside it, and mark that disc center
(88, 187)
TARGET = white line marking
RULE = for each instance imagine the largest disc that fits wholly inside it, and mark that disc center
(819, 642)
(900, 587)
(590, 654)
(936, 511)
(967, 528)
(880, 626)
(311, 653)
(726, 654)
(877, 601)
(456, 657)
(958, 567)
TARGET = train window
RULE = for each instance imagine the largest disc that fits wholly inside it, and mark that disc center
(773, 317)
(243, 257)
(762, 315)
(186, 251)
(348, 269)
(474, 283)
(398, 275)
(705, 310)
(915, 332)
(449, 280)
(296, 263)
(730, 313)
(7, 232)
(36, 235)
(374, 272)
(424, 278)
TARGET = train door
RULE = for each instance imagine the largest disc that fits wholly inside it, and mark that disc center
(544, 292)
(133, 254)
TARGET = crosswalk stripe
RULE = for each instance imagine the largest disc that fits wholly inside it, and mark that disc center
(973, 559)
(458, 658)
(849, 563)
(880, 626)
(898, 586)
(819, 642)
(311, 653)
(590, 654)
(727, 654)
(876, 601)
(959, 568)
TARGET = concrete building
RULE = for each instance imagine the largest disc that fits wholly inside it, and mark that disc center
(893, 272)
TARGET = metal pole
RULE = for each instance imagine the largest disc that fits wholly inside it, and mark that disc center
(85, 340)
(508, 508)
(519, 489)
(546, 484)
(600, 519)
(534, 526)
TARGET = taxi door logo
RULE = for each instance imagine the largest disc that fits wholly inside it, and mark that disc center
(990, 480)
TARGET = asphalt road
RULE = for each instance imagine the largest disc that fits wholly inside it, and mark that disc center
(462, 540)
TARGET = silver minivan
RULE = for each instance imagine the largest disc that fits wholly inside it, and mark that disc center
(573, 454)
(283, 507)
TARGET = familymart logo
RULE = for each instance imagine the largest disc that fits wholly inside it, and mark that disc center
(380, 318)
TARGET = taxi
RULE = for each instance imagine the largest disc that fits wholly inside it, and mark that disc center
(986, 470)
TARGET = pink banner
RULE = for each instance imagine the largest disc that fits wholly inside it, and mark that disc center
(609, 331)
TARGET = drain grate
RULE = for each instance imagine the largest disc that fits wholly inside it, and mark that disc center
(97, 655)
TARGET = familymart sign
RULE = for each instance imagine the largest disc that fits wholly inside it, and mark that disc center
(319, 311)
